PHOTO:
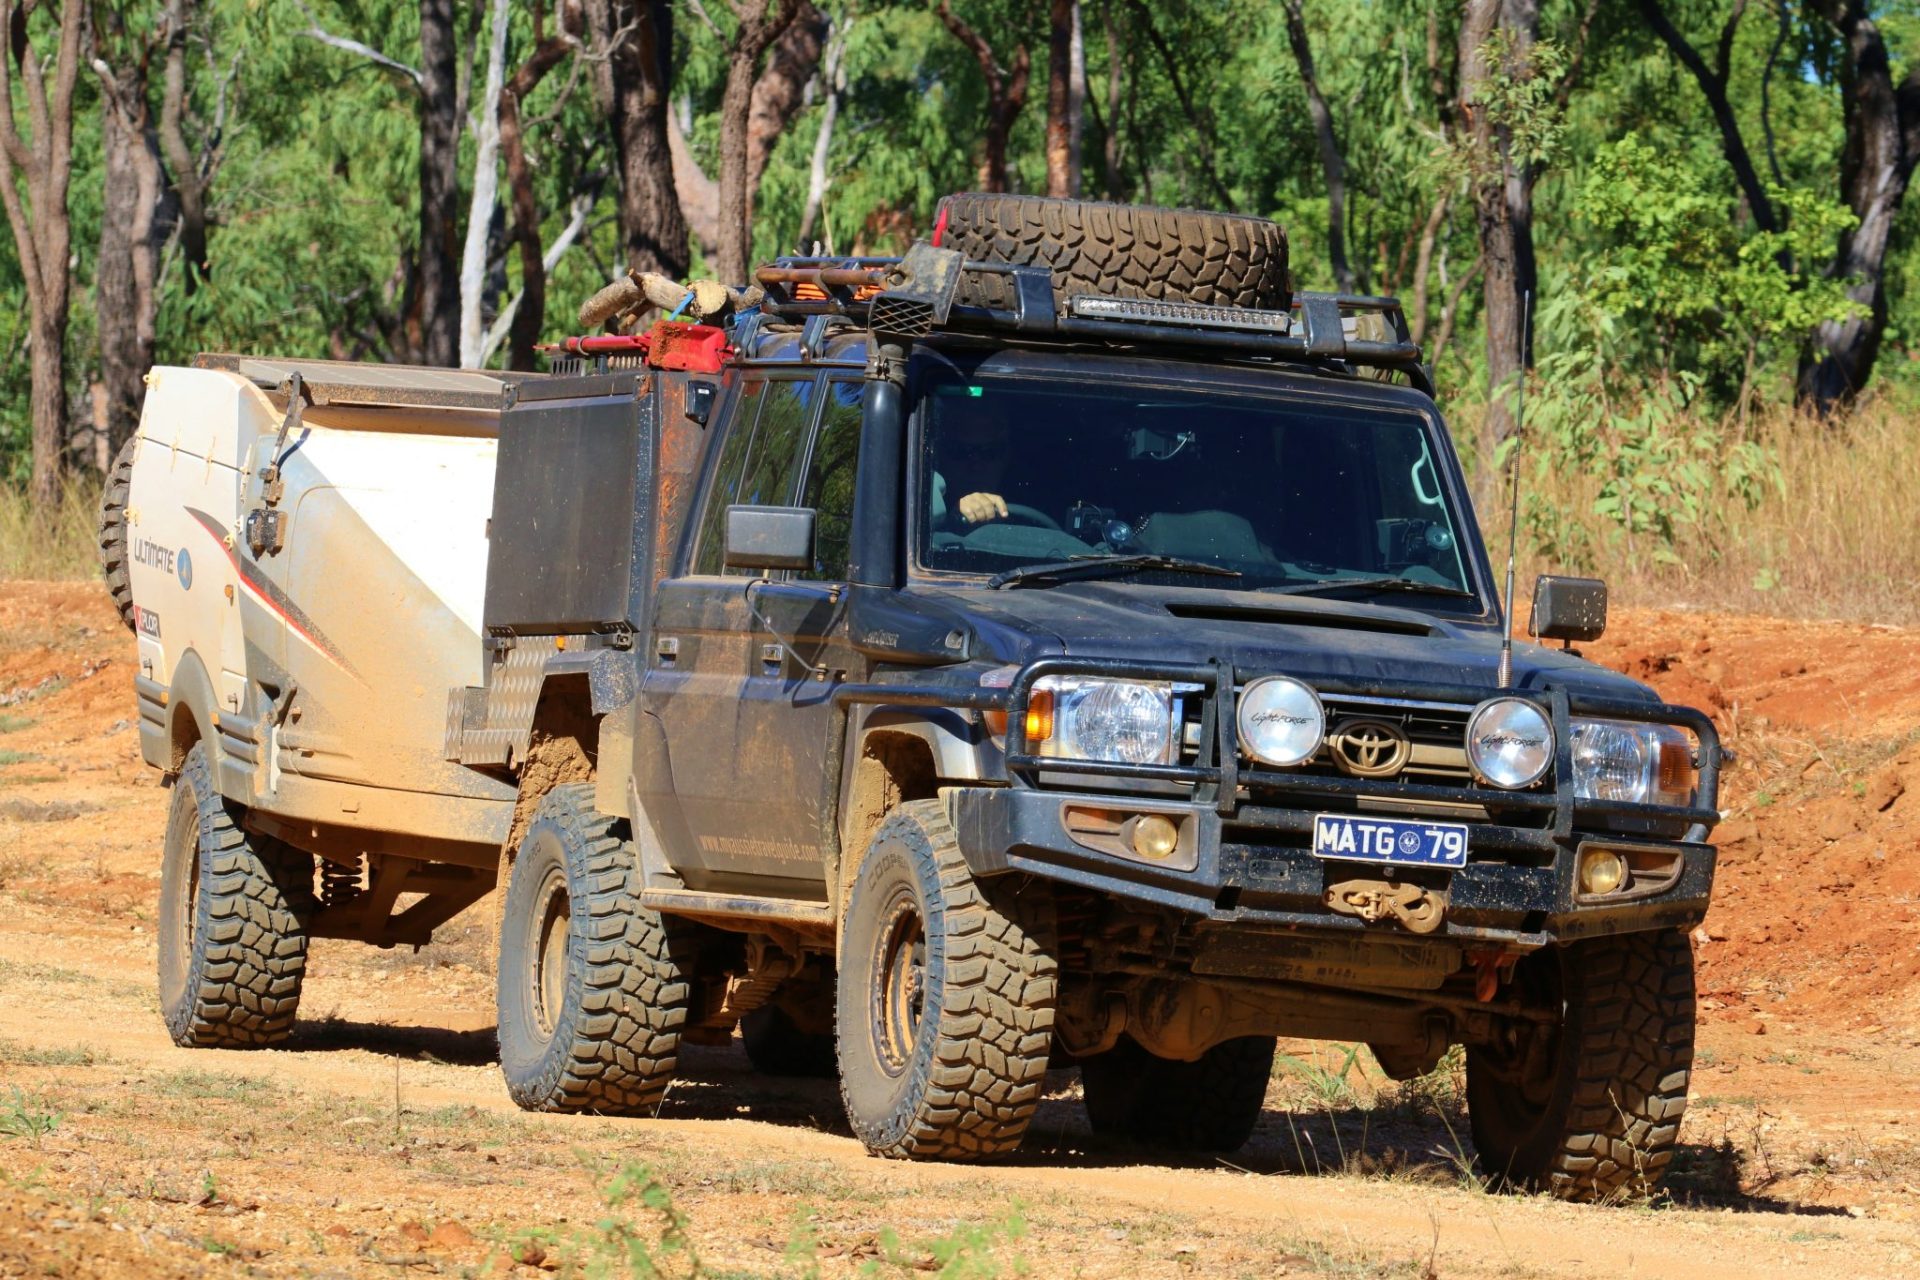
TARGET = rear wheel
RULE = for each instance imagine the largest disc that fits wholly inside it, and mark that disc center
(1587, 1104)
(234, 910)
(1210, 1104)
(1127, 251)
(112, 531)
(945, 996)
(593, 988)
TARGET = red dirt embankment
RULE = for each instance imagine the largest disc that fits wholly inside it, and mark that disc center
(1815, 911)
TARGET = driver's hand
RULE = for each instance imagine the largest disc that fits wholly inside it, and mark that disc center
(977, 508)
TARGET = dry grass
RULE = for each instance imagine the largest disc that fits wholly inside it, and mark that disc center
(56, 544)
(1838, 537)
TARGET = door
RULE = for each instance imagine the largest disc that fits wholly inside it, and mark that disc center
(713, 820)
(788, 749)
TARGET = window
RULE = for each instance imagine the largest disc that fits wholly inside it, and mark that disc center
(757, 463)
(829, 489)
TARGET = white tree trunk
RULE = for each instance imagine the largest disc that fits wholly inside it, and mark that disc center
(486, 193)
(833, 78)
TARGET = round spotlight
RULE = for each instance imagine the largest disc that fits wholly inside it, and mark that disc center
(1155, 836)
(1509, 743)
(1601, 871)
(1281, 721)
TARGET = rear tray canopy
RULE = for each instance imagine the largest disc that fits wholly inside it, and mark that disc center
(349, 382)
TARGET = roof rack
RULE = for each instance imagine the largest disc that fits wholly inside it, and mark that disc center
(881, 294)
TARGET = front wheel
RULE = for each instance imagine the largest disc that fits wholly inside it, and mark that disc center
(945, 996)
(1586, 1101)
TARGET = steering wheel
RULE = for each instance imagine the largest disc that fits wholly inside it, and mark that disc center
(1021, 513)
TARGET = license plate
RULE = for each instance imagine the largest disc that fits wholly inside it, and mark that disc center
(1414, 844)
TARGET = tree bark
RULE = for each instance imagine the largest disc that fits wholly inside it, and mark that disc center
(781, 89)
(633, 40)
(1006, 94)
(1114, 151)
(1876, 165)
(1332, 165)
(189, 179)
(135, 218)
(438, 296)
(761, 22)
(1059, 93)
(530, 312)
(1503, 205)
(42, 223)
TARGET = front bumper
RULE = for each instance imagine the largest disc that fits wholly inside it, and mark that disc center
(1240, 877)
(1249, 859)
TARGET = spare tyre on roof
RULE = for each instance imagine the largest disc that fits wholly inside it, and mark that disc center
(1119, 250)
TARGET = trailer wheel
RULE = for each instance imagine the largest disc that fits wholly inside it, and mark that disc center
(112, 530)
(234, 910)
(1588, 1106)
(593, 988)
(1125, 251)
(945, 996)
(1211, 1104)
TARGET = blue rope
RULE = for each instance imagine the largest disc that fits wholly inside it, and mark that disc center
(684, 304)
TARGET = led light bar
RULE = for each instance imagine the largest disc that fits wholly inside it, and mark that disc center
(1095, 307)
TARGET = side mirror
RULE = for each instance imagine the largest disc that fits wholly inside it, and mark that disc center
(769, 537)
(1568, 609)
(700, 398)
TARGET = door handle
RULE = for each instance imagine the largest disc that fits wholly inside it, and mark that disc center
(772, 655)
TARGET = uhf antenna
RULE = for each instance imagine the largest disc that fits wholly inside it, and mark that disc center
(1513, 490)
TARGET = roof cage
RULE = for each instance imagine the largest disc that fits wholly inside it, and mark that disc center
(881, 294)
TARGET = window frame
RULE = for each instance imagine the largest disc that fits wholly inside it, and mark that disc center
(694, 539)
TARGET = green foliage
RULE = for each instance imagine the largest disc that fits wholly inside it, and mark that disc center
(1680, 285)
(32, 1119)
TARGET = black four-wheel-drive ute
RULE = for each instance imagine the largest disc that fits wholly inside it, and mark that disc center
(1065, 644)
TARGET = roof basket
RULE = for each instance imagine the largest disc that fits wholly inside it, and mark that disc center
(910, 298)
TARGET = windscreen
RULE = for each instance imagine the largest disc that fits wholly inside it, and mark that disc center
(1282, 491)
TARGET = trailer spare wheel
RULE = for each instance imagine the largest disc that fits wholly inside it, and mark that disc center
(111, 531)
(1121, 250)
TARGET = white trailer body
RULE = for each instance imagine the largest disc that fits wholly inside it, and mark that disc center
(314, 662)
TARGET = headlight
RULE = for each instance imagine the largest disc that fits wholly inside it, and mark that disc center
(1509, 743)
(1632, 762)
(1281, 721)
(1087, 718)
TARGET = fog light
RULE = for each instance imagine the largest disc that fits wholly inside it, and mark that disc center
(1601, 871)
(1155, 836)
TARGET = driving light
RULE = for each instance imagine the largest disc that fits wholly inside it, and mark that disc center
(1088, 718)
(1633, 763)
(1155, 836)
(1281, 721)
(1509, 743)
(1601, 871)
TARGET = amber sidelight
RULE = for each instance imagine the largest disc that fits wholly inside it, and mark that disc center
(1040, 716)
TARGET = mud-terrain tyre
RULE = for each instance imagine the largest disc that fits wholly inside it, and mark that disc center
(792, 1035)
(1592, 1110)
(111, 531)
(1119, 250)
(1210, 1104)
(593, 988)
(234, 912)
(944, 995)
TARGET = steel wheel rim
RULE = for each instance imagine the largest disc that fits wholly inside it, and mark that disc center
(552, 934)
(900, 984)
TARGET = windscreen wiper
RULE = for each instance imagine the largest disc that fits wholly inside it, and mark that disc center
(1368, 584)
(1081, 568)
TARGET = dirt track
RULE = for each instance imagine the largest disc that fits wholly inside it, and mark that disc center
(383, 1143)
